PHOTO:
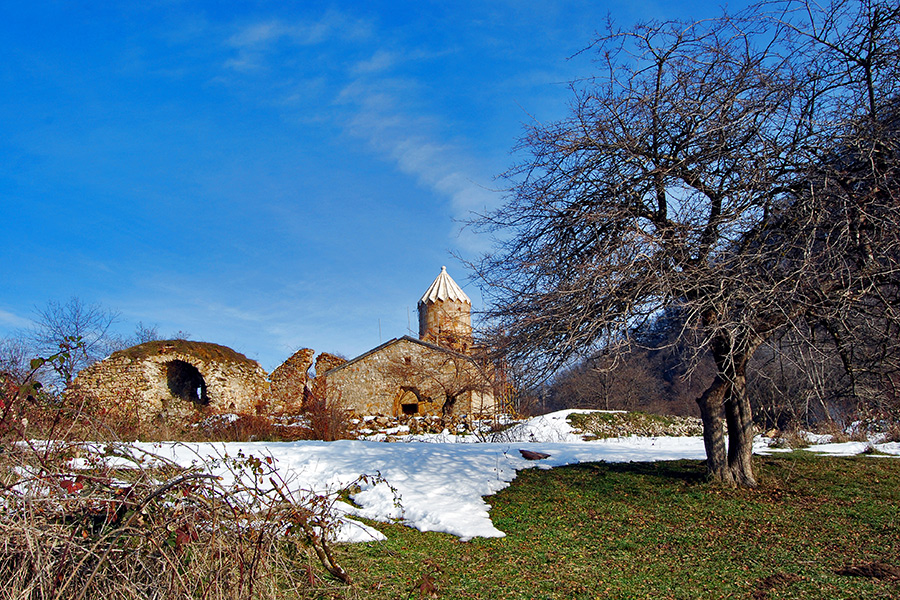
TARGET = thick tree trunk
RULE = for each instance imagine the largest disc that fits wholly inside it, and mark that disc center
(726, 401)
(739, 417)
(712, 414)
(447, 407)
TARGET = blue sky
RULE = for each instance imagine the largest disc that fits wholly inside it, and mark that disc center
(268, 175)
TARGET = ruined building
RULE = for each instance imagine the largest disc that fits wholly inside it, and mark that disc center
(171, 380)
(442, 372)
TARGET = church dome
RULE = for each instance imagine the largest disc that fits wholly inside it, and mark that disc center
(444, 288)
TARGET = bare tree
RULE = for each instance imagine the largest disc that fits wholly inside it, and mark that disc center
(81, 331)
(692, 173)
(14, 358)
(839, 228)
(144, 333)
(632, 377)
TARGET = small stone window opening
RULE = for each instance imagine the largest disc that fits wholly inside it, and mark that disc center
(186, 382)
(410, 409)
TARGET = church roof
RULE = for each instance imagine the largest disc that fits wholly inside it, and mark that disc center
(444, 288)
(402, 340)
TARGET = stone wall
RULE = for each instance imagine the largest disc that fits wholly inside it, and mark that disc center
(325, 362)
(288, 383)
(408, 376)
(172, 380)
(177, 380)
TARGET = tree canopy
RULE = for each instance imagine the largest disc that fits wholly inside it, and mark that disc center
(741, 169)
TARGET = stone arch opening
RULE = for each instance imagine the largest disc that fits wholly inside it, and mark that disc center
(186, 382)
(409, 401)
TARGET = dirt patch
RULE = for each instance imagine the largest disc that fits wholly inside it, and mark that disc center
(773, 582)
(875, 570)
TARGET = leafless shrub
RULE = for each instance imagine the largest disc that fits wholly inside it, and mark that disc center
(793, 438)
(328, 421)
(136, 531)
(242, 428)
(101, 520)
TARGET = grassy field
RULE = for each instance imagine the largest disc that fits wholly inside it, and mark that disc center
(655, 530)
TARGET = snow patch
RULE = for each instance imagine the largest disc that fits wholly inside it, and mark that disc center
(438, 482)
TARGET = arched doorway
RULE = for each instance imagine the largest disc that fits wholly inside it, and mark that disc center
(408, 402)
(186, 382)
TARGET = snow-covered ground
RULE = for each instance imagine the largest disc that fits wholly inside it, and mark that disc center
(438, 483)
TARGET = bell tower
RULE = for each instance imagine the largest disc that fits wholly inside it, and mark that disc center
(445, 315)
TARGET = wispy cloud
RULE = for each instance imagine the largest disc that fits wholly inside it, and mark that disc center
(381, 61)
(12, 320)
(380, 99)
(253, 42)
(408, 138)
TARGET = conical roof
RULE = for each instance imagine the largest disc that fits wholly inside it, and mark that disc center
(444, 288)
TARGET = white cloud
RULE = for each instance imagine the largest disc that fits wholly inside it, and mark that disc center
(245, 61)
(265, 33)
(384, 110)
(9, 319)
(382, 60)
(255, 34)
(254, 43)
(304, 33)
(409, 140)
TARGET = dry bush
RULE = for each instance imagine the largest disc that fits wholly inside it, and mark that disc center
(793, 438)
(328, 421)
(104, 520)
(893, 433)
(243, 428)
(118, 528)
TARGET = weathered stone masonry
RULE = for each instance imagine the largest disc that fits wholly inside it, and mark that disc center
(289, 383)
(413, 377)
(172, 379)
(436, 374)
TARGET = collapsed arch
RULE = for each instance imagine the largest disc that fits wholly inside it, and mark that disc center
(186, 382)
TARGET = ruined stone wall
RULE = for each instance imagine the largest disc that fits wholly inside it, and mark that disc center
(326, 362)
(172, 380)
(288, 383)
(177, 380)
(403, 374)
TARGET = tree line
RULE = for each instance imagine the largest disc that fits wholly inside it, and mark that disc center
(796, 380)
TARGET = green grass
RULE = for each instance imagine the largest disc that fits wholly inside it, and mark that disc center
(654, 530)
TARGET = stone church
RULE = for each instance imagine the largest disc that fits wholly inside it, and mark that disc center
(441, 372)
